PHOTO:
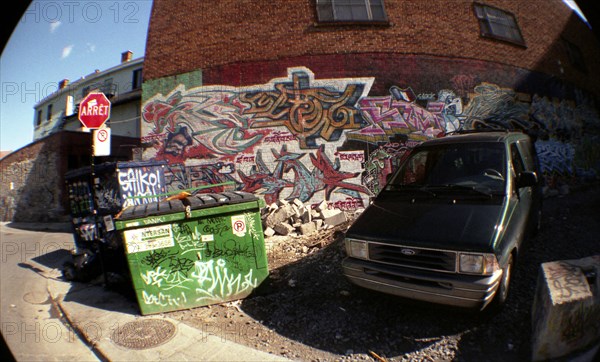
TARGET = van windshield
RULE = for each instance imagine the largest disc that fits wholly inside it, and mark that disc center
(478, 165)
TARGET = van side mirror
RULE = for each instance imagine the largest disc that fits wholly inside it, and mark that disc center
(527, 179)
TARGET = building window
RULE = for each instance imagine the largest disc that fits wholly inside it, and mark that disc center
(38, 120)
(49, 115)
(498, 24)
(351, 11)
(575, 56)
(136, 83)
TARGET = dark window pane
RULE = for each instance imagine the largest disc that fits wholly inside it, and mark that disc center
(499, 24)
(350, 10)
(325, 10)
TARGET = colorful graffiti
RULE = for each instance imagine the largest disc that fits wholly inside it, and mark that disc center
(328, 139)
(307, 110)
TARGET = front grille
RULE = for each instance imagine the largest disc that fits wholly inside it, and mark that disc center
(430, 259)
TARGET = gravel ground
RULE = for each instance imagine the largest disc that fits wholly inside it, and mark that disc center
(308, 311)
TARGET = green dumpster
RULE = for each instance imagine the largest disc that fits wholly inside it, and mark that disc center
(200, 250)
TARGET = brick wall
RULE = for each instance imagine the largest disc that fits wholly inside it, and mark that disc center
(188, 35)
(256, 94)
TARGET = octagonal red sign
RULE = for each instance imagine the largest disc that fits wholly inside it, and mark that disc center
(94, 110)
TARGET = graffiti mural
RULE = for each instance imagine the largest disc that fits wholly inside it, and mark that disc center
(329, 139)
(306, 109)
(221, 135)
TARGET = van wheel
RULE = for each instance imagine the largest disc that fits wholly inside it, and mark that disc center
(502, 292)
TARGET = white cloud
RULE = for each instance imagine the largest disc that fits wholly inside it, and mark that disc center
(91, 47)
(66, 51)
(54, 25)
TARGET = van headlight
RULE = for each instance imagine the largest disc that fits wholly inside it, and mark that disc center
(357, 248)
(472, 263)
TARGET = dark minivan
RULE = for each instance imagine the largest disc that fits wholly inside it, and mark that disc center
(448, 226)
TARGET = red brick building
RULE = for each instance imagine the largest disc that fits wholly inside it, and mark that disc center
(318, 99)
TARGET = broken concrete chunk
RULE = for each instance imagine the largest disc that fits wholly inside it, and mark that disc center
(318, 223)
(283, 228)
(308, 228)
(280, 215)
(306, 216)
(333, 217)
(322, 206)
(269, 232)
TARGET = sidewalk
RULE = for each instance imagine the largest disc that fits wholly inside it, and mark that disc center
(96, 314)
(100, 317)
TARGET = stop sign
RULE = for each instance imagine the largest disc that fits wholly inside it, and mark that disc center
(94, 110)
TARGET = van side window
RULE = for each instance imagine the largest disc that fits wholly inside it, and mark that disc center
(517, 161)
(527, 151)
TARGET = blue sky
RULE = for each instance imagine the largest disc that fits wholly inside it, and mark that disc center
(58, 39)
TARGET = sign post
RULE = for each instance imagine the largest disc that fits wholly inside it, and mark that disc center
(94, 111)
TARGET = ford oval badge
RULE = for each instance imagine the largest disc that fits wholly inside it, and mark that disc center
(408, 252)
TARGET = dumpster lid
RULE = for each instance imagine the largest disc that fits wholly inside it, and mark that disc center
(201, 201)
(152, 209)
(195, 202)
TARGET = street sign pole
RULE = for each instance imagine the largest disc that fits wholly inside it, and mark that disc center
(94, 111)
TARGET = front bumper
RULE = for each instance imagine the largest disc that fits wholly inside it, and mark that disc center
(460, 290)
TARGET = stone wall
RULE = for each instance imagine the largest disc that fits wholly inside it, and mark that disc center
(32, 186)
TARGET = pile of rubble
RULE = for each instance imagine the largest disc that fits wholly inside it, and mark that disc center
(294, 218)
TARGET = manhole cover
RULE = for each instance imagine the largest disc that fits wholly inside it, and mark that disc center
(143, 334)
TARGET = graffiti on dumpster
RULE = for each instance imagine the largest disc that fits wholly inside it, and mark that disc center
(216, 283)
(140, 181)
(165, 279)
(164, 300)
(205, 263)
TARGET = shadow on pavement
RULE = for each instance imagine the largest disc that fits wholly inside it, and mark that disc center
(117, 295)
(47, 227)
(54, 259)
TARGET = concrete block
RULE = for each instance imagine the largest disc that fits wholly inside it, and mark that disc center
(306, 216)
(269, 232)
(318, 224)
(566, 308)
(297, 211)
(333, 217)
(283, 228)
(278, 216)
(308, 228)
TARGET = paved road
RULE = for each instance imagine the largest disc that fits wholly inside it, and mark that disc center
(29, 322)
